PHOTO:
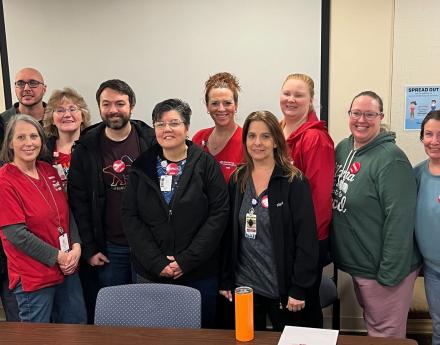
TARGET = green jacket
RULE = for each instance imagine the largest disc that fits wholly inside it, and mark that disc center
(374, 201)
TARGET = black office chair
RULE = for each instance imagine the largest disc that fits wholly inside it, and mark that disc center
(328, 293)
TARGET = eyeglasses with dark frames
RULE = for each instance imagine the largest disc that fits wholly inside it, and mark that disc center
(369, 115)
(21, 84)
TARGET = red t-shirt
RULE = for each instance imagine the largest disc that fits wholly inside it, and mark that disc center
(230, 156)
(23, 202)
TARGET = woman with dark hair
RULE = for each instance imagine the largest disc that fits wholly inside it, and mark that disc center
(374, 200)
(428, 215)
(65, 116)
(175, 209)
(39, 235)
(271, 244)
(223, 140)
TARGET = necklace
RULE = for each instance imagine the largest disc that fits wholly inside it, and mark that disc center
(216, 143)
(60, 228)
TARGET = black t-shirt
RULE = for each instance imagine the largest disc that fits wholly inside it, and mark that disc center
(256, 258)
(117, 157)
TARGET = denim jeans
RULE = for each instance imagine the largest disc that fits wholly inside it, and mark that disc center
(208, 289)
(432, 289)
(61, 303)
(119, 271)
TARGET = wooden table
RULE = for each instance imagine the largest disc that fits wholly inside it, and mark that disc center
(27, 333)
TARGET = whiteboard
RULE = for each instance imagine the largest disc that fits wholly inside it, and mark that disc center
(167, 48)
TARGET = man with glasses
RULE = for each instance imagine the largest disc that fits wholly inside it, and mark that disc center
(98, 177)
(29, 89)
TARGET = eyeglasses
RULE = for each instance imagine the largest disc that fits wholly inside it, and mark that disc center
(62, 111)
(173, 124)
(21, 84)
(369, 115)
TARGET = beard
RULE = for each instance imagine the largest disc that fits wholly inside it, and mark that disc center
(118, 122)
(30, 103)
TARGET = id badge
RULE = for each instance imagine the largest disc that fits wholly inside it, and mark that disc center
(250, 230)
(64, 243)
(165, 183)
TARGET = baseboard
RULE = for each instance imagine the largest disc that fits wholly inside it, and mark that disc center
(356, 325)
(419, 326)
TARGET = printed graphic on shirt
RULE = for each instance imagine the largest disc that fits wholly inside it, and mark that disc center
(343, 177)
(55, 183)
(61, 163)
(116, 174)
(228, 165)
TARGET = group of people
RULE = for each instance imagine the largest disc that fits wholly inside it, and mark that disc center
(119, 202)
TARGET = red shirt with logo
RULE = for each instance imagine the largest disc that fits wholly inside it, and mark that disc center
(29, 201)
(230, 156)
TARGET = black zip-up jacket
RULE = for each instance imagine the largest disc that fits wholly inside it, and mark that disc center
(190, 228)
(86, 187)
(294, 238)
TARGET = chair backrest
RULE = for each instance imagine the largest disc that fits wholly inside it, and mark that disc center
(328, 293)
(149, 305)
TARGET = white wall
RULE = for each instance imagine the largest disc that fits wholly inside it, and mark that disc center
(166, 49)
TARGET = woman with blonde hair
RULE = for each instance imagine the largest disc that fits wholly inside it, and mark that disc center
(271, 243)
(223, 141)
(65, 116)
(312, 151)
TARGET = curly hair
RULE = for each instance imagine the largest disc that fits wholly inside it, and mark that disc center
(57, 97)
(222, 80)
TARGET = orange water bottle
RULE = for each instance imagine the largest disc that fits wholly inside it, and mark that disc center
(244, 313)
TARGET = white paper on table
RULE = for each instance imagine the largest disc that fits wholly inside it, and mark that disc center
(308, 336)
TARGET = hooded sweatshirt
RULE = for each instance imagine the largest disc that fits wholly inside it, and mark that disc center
(374, 200)
(312, 151)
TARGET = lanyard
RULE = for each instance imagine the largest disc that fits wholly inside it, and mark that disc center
(60, 228)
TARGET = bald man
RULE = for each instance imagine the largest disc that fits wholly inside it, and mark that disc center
(29, 89)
